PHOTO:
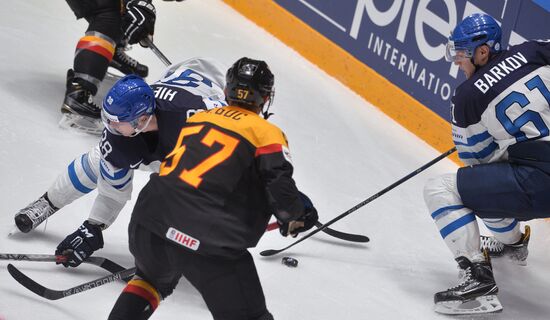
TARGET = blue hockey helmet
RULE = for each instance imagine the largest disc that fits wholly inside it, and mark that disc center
(475, 30)
(129, 99)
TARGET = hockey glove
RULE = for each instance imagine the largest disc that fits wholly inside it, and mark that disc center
(304, 223)
(138, 22)
(80, 244)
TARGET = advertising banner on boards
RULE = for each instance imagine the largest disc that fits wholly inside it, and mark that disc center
(404, 40)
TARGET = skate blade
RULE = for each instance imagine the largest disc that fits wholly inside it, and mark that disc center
(483, 304)
(519, 262)
(81, 124)
(113, 75)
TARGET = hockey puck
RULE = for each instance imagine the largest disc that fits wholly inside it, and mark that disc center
(289, 262)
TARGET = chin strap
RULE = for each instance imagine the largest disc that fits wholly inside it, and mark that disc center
(266, 112)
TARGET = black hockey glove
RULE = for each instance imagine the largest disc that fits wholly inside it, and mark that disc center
(80, 244)
(304, 223)
(138, 22)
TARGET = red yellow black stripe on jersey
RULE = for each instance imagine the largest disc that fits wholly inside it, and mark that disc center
(264, 136)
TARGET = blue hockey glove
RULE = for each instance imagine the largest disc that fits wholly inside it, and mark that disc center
(304, 223)
(80, 244)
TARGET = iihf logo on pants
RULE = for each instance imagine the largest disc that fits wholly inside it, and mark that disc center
(183, 239)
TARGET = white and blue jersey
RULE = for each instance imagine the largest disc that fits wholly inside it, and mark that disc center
(501, 117)
(184, 89)
(503, 103)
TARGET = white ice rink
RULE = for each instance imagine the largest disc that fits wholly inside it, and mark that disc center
(344, 151)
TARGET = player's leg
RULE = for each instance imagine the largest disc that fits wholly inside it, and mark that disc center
(456, 222)
(503, 194)
(156, 278)
(458, 226)
(230, 287)
(126, 64)
(79, 179)
(94, 51)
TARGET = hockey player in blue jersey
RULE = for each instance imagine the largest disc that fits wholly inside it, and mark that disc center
(500, 121)
(142, 124)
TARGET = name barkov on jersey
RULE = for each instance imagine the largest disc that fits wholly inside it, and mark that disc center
(499, 71)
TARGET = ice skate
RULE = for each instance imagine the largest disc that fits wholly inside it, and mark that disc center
(34, 214)
(476, 291)
(517, 252)
(78, 109)
(127, 65)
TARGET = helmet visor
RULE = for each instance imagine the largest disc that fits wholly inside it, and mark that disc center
(123, 128)
(454, 53)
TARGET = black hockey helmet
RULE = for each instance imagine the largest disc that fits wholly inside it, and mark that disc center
(249, 82)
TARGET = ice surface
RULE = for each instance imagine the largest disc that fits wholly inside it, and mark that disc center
(344, 150)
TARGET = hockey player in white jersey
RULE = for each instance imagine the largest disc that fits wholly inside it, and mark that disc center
(142, 124)
(500, 123)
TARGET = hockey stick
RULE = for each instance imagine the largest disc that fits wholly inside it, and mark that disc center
(50, 294)
(157, 52)
(97, 261)
(337, 234)
(272, 226)
(271, 252)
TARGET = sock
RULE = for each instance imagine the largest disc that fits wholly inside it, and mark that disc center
(137, 301)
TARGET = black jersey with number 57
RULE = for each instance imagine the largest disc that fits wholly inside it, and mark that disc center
(228, 173)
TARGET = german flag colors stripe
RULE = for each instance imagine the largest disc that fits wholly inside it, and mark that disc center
(144, 290)
(97, 45)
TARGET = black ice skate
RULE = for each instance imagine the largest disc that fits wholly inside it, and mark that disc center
(476, 291)
(78, 109)
(517, 252)
(125, 64)
(34, 214)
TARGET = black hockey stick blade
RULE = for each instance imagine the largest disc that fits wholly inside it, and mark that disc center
(51, 294)
(331, 232)
(271, 252)
(97, 261)
(343, 235)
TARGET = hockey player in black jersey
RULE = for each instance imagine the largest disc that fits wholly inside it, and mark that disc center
(142, 126)
(112, 25)
(500, 123)
(229, 171)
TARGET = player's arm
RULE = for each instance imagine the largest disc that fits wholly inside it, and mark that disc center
(473, 146)
(114, 190)
(294, 211)
(471, 136)
(114, 184)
